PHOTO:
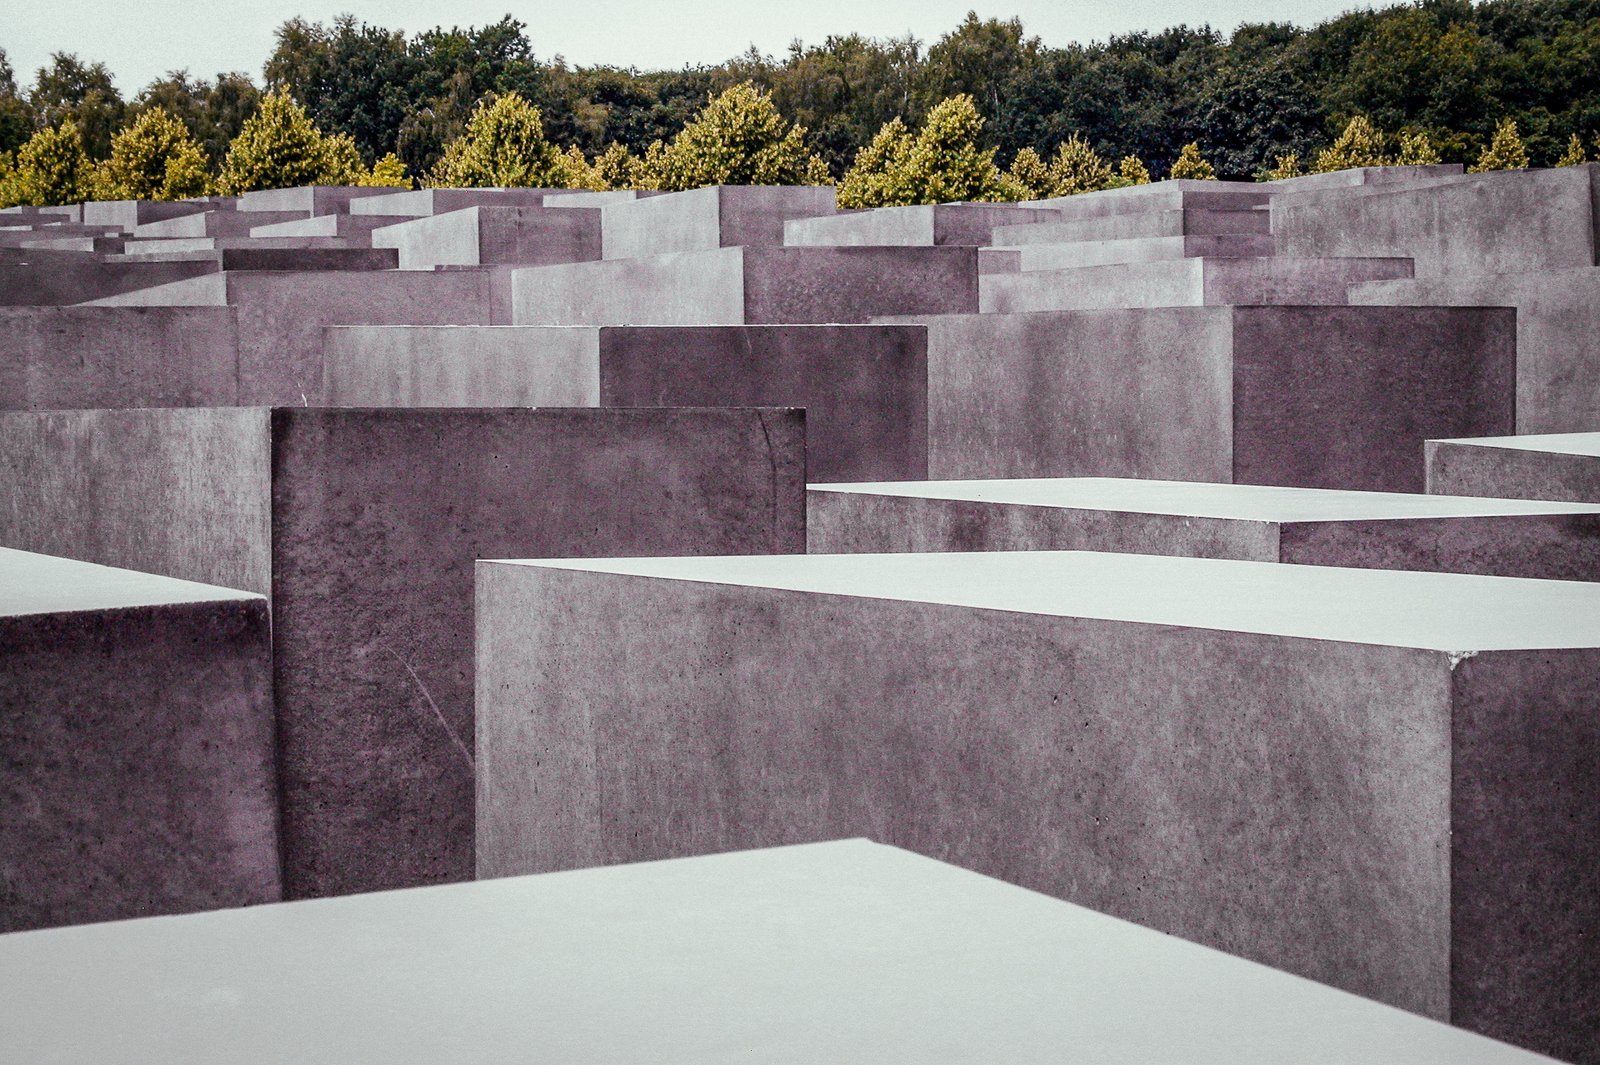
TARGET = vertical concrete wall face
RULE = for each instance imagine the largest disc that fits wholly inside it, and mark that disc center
(487, 236)
(92, 357)
(137, 774)
(721, 216)
(81, 278)
(1565, 468)
(449, 366)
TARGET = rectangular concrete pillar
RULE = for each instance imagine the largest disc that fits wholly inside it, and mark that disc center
(1385, 781)
(493, 236)
(362, 526)
(844, 951)
(943, 223)
(719, 216)
(1560, 466)
(864, 387)
(137, 768)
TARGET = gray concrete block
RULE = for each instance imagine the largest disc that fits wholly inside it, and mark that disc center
(216, 223)
(424, 203)
(362, 526)
(750, 286)
(945, 223)
(43, 279)
(1500, 223)
(1191, 282)
(1161, 196)
(721, 216)
(491, 236)
(1560, 466)
(345, 226)
(311, 199)
(279, 253)
(1311, 397)
(282, 314)
(1366, 175)
(999, 260)
(1140, 249)
(88, 357)
(1255, 523)
(1178, 222)
(847, 952)
(588, 198)
(130, 214)
(137, 775)
(1382, 780)
(1558, 335)
(864, 387)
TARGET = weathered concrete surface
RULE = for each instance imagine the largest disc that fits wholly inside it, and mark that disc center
(1558, 336)
(1308, 526)
(130, 214)
(363, 526)
(219, 223)
(945, 223)
(1139, 249)
(865, 387)
(422, 203)
(137, 774)
(1500, 223)
(347, 226)
(1161, 196)
(303, 254)
(1311, 397)
(282, 315)
(488, 236)
(721, 216)
(1177, 222)
(1394, 792)
(886, 957)
(586, 198)
(1365, 175)
(91, 357)
(1186, 282)
(1562, 466)
(312, 199)
(46, 279)
(750, 286)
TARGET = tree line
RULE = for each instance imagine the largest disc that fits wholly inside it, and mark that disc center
(1439, 79)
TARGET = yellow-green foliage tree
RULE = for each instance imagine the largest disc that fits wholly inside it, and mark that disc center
(154, 158)
(1361, 144)
(618, 168)
(1189, 166)
(1417, 149)
(278, 147)
(389, 172)
(51, 168)
(503, 146)
(1078, 168)
(1504, 152)
(1286, 165)
(1575, 154)
(1027, 178)
(1132, 171)
(942, 163)
(870, 180)
(738, 138)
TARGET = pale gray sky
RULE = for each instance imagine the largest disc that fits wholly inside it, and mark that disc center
(141, 39)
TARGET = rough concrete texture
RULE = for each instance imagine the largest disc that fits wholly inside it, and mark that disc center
(1365, 175)
(347, 226)
(488, 236)
(1160, 196)
(586, 198)
(364, 525)
(91, 357)
(282, 315)
(129, 214)
(1498, 223)
(55, 280)
(219, 223)
(1178, 222)
(721, 216)
(1309, 526)
(311, 199)
(1188, 282)
(422, 203)
(1558, 336)
(136, 746)
(750, 286)
(1563, 466)
(886, 957)
(301, 254)
(1311, 397)
(1178, 742)
(865, 387)
(1139, 249)
(945, 223)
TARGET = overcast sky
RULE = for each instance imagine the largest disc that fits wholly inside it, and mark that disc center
(142, 39)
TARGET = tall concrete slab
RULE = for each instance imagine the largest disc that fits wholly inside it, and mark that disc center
(1559, 466)
(91, 357)
(137, 771)
(46, 279)
(1138, 250)
(282, 314)
(1161, 196)
(1499, 223)
(1558, 335)
(424, 203)
(1383, 780)
(1310, 397)
(354, 227)
(1308, 526)
(750, 286)
(493, 236)
(943, 223)
(1174, 222)
(844, 952)
(1366, 175)
(362, 526)
(310, 199)
(720, 216)
(130, 214)
(864, 387)
(214, 223)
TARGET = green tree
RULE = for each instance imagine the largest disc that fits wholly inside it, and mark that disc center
(503, 146)
(214, 111)
(1505, 150)
(738, 139)
(70, 90)
(1028, 177)
(946, 163)
(1283, 167)
(1575, 154)
(154, 158)
(977, 59)
(388, 172)
(1360, 145)
(279, 147)
(870, 181)
(1079, 168)
(16, 114)
(51, 168)
(1189, 166)
(1417, 149)
(1132, 171)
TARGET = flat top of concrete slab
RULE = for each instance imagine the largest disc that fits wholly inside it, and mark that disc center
(1245, 502)
(44, 584)
(832, 952)
(1450, 612)
(1558, 443)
